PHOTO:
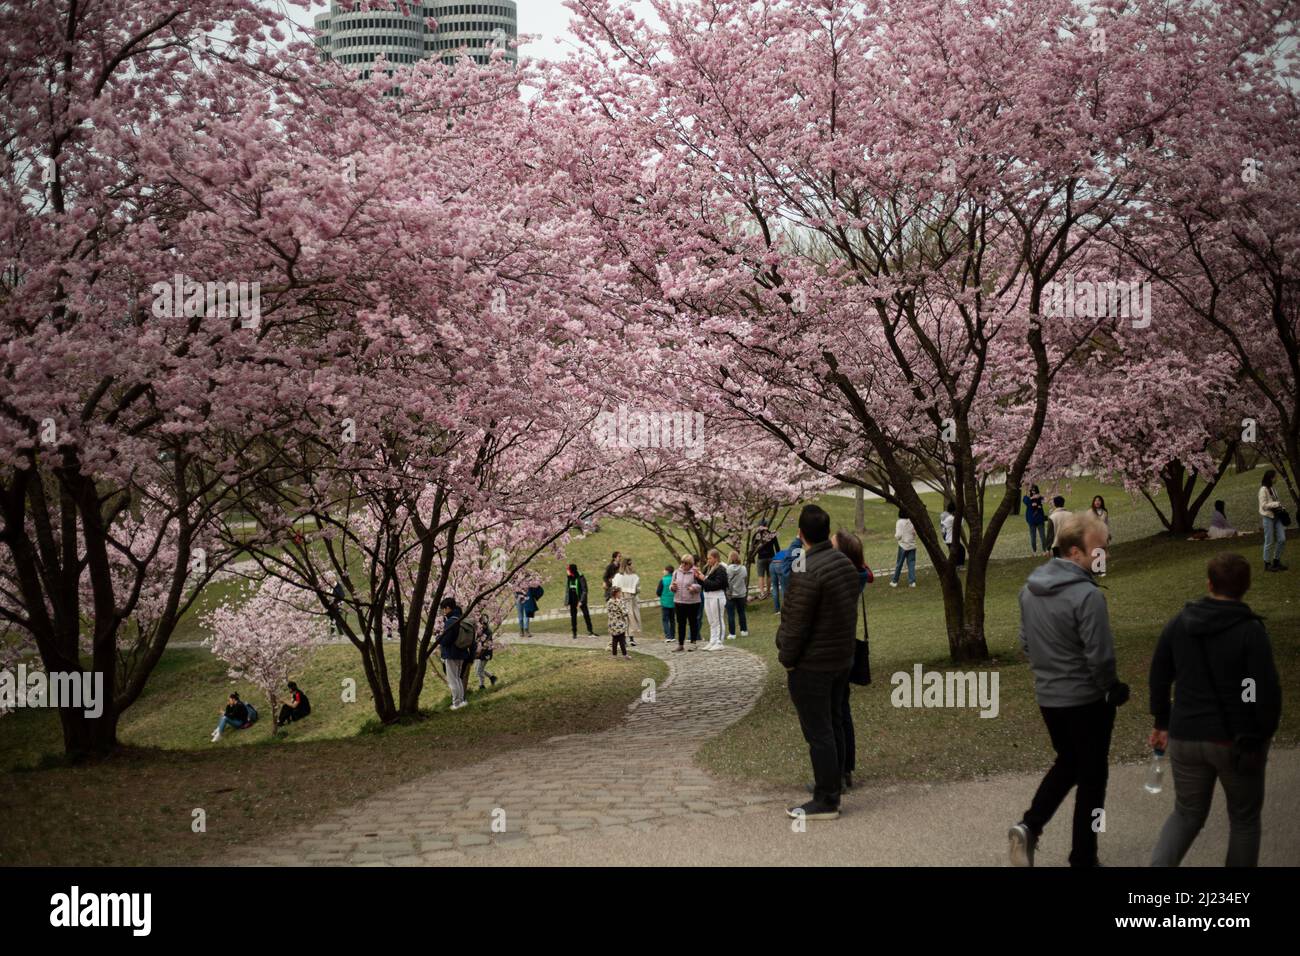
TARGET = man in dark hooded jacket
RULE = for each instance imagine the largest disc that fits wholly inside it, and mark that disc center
(1218, 652)
(1065, 630)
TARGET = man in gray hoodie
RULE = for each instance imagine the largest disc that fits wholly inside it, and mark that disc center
(1065, 630)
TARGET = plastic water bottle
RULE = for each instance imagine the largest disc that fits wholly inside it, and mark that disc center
(1156, 774)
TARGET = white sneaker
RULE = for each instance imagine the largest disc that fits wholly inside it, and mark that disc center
(460, 705)
(216, 735)
(744, 633)
(731, 637)
(893, 584)
(912, 585)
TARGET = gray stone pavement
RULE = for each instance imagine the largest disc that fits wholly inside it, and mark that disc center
(632, 795)
(636, 777)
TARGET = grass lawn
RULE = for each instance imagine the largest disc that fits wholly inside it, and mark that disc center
(136, 808)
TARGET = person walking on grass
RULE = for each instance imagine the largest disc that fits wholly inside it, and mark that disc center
(616, 613)
(815, 646)
(1065, 630)
(713, 579)
(484, 644)
(575, 598)
(628, 583)
(686, 602)
(905, 536)
(1215, 730)
(453, 658)
(1271, 513)
(1036, 518)
(737, 596)
(665, 594)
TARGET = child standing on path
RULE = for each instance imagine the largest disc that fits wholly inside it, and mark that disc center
(616, 613)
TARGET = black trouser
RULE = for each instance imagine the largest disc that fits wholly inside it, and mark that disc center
(736, 606)
(1081, 739)
(586, 616)
(688, 613)
(615, 642)
(850, 741)
(818, 698)
(288, 714)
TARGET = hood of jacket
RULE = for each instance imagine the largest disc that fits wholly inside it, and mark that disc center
(1211, 617)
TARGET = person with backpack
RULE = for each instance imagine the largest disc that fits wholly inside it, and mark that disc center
(456, 650)
(665, 594)
(483, 646)
(1035, 518)
(1065, 631)
(737, 596)
(905, 537)
(575, 598)
(297, 708)
(237, 714)
(1214, 648)
(1275, 520)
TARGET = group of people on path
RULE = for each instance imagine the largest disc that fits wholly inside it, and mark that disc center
(462, 645)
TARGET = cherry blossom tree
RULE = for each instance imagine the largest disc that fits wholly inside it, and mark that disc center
(863, 210)
(265, 633)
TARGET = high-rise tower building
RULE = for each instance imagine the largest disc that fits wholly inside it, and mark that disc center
(354, 37)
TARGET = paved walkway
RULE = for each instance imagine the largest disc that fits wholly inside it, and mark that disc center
(634, 778)
(632, 795)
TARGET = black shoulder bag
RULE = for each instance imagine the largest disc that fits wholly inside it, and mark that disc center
(860, 672)
(1248, 754)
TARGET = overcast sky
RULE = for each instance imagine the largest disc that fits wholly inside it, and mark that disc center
(545, 22)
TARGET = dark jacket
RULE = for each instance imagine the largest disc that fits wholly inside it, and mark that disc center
(447, 639)
(1065, 631)
(716, 580)
(819, 612)
(581, 592)
(1236, 647)
(1034, 513)
(237, 711)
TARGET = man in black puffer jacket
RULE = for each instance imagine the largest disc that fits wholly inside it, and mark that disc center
(1218, 653)
(819, 617)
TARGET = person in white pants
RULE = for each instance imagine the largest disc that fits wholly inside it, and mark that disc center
(713, 579)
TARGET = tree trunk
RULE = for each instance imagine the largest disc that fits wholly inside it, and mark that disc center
(859, 510)
(89, 736)
(963, 610)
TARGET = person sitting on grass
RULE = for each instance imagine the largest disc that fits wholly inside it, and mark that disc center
(237, 714)
(297, 708)
(616, 615)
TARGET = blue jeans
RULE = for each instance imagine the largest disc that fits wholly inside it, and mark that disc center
(666, 619)
(225, 722)
(1274, 540)
(1037, 536)
(910, 558)
(776, 592)
(736, 606)
(523, 616)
